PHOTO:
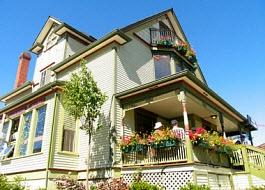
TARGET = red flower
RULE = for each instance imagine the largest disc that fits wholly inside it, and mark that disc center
(151, 139)
(200, 130)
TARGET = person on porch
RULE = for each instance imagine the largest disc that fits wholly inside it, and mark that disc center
(158, 127)
(177, 130)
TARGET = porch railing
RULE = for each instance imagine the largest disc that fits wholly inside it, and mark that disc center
(256, 157)
(162, 37)
(236, 158)
(151, 156)
(247, 158)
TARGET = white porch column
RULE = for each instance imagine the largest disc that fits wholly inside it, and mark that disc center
(182, 99)
(122, 122)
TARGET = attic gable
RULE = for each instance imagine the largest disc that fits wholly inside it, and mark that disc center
(39, 41)
(53, 28)
(167, 17)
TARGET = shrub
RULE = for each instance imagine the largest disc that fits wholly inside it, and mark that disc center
(14, 185)
(142, 185)
(191, 186)
(68, 183)
(258, 187)
(112, 184)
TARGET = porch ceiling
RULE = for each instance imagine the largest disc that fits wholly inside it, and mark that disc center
(169, 107)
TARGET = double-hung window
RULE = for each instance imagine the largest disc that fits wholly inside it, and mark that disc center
(24, 137)
(69, 133)
(38, 137)
(162, 66)
(45, 77)
(4, 135)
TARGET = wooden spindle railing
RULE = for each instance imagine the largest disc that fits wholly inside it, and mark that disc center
(152, 155)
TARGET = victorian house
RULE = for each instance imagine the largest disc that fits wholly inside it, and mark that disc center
(150, 74)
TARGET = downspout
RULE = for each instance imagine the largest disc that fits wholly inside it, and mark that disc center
(51, 139)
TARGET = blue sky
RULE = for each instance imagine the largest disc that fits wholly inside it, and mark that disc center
(228, 36)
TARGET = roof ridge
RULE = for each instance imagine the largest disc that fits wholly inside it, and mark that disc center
(135, 24)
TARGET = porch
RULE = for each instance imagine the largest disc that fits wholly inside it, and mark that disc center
(193, 106)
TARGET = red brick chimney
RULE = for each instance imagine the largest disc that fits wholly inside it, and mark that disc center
(22, 70)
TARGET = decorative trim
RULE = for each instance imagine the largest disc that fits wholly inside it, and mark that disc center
(25, 171)
(143, 41)
(45, 90)
(47, 66)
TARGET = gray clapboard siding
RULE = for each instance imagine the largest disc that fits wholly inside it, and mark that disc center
(17, 97)
(72, 46)
(62, 160)
(134, 64)
(101, 66)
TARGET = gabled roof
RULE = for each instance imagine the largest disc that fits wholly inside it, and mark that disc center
(64, 27)
(114, 36)
(169, 13)
(45, 29)
(59, 30)
(26, 86)
(23, 100)
(190, 80)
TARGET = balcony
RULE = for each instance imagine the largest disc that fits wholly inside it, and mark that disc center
(164, 39)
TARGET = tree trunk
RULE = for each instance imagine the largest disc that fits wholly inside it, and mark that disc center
(88, 160)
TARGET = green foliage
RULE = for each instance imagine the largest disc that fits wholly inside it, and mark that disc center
(68, 183)
(14, 185)
(93, 187)
(191, 186)
(258, 187)
(142, 185)
(82, 98)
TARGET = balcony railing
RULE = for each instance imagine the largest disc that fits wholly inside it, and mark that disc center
(150, 155)
(162, 37)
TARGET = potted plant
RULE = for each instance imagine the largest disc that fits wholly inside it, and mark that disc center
(191, 55)
(181, 47)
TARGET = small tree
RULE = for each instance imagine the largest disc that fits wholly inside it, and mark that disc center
(83, 100)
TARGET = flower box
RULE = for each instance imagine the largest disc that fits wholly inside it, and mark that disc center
(182, 50)
(164, 43)
(164, 144)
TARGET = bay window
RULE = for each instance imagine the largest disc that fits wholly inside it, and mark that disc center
(23, 135)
